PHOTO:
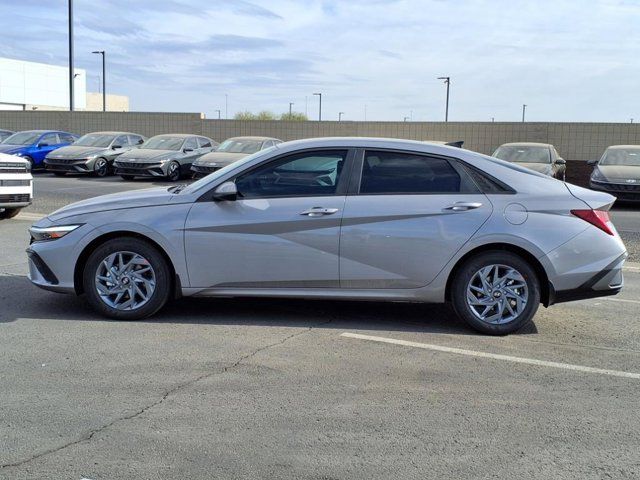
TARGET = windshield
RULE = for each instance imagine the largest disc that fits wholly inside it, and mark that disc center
(224, 170)
(163, 143)
(240, 146)
(621, 156)
(523, 154)
(93, 140)
(22, 138)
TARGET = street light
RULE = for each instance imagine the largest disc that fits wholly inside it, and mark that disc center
(71, 70)
(226, 106)
(290, 105)
(405, 119)
(524, 109)
(320, 106)
(447, 80)
(340, 116)
(104, 82)
(218, 114)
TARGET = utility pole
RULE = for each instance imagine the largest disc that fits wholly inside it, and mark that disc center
(226, 106)
(340, 116)
(104, 84)
(219, 113)
(405, 119)
(320, 106)
(524, 109)
(71, 69)
(290, 105)
(447, 81)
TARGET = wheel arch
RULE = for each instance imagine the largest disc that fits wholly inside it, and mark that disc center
(96, 242)
(545, 286)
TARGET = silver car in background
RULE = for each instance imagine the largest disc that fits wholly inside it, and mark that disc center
(92, 153)
(540, 157)
(229, 151)
(341, 218)
(618, 172)
(164, 156)
(4, 134)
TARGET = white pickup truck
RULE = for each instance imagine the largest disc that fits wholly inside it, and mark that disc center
(16, 185)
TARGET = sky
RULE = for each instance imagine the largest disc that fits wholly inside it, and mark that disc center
(568, 60)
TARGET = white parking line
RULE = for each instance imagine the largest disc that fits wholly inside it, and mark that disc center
(494, 356)
(621, 300)
(29, 216)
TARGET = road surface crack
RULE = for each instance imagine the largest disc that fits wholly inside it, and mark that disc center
(91, 433)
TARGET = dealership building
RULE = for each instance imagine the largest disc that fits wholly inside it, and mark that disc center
(39, 86)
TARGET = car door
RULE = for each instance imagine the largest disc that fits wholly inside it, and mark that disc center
(122, 144)
(47, 143)
(283, 230)
(408, 217)
(190, 151)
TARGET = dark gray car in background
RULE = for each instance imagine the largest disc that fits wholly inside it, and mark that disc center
(5, 134)
(164, 156)
(539, 157)
(92, 153)
(229, 151)
(618, 172)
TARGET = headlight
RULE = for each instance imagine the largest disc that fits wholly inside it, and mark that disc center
(597, 175)
(18, 154)
(39, 234)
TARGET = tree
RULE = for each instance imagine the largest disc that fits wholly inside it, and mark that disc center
(266, 115)
(294, 117)
(246, 115)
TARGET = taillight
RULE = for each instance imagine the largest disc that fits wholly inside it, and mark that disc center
(597, 218)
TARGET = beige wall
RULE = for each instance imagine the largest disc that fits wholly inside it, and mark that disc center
(574, 141)
(115, 103)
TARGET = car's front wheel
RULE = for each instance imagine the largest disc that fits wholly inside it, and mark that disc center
(101, 167)
(496, 292)
(127, 279)
(173, 172)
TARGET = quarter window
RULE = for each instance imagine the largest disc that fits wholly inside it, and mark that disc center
(190, 143)
(204, 142)
(49, 139)
(135, 140)
(306, 174)
(405, 173)
(122, 140)
(66, 138)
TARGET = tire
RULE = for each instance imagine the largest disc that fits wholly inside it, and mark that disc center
(173, 172)
(30, 160)
(101, 167)
(127, 306)
(9, 213)
(513, 315)
(59, 174)
(127, 177)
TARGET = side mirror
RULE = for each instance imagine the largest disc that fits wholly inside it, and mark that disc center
(592, 162)
(561, 161)
(226, 192)
(187, 150)
(116, 147)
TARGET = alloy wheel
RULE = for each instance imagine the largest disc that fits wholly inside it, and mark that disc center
(125, 280)
(101, 167)
(497, 294)
(173, 172)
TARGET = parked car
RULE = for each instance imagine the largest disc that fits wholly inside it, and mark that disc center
(229, 151)
(92, 153)
(34, 145)
(16, 188)
(540, 157)
(163, 156)
(618, 172)
(341, 218)
(5, 134)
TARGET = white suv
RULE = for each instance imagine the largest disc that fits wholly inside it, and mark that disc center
(16, 185)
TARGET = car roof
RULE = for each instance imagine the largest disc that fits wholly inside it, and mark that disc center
(615, 147)
(113, 133)
(178, 135)
(45, 131)
(526, 144)
(377, 142)
(254, 137)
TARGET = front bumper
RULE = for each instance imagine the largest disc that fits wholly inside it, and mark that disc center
(68, 165)
(157, 169)
(16, 190)
(622, 191)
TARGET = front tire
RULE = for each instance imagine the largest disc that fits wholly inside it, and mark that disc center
(126, 279)
(173, 172)
(9, 213)
(496, 292)
(101, 167)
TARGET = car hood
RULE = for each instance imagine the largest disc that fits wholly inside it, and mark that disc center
(536, 167)
(76, 151)
(620, 172)
(143, 154)
(147, 197)
(221, 158)
(11, 148)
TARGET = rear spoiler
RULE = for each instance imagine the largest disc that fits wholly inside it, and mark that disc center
(457, 144)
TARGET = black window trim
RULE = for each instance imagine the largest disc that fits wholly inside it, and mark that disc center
(356, 178)
(341, 188)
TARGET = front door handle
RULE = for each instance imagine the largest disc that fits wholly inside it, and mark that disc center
(463, 206)
(319, 211)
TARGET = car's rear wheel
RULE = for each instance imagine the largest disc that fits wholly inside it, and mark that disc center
(9, 213)
(496, 292)
(127, 279)
(173, 172)
(101, 167)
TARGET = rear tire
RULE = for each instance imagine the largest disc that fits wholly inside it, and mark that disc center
(496, 304)
(126, 279)
(9, 213)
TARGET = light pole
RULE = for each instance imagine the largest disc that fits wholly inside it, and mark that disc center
(104, 82)
(219, 113)
(524, 109)
(493, 119)
(71, 72)
(405, 119)
(320, 106)
(340, 116)
(226, 106)
(290, 105)
(447, 80)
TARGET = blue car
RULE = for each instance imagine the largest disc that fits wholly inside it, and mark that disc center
(33, 145)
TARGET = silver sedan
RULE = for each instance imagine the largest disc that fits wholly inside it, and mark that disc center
(341, 218)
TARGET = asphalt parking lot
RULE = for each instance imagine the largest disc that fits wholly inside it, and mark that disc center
(230, 388)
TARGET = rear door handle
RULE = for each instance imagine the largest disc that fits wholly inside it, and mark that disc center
(463, 206)
(319, 211)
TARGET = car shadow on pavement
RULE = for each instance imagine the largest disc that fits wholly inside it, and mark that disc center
(20, 299)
